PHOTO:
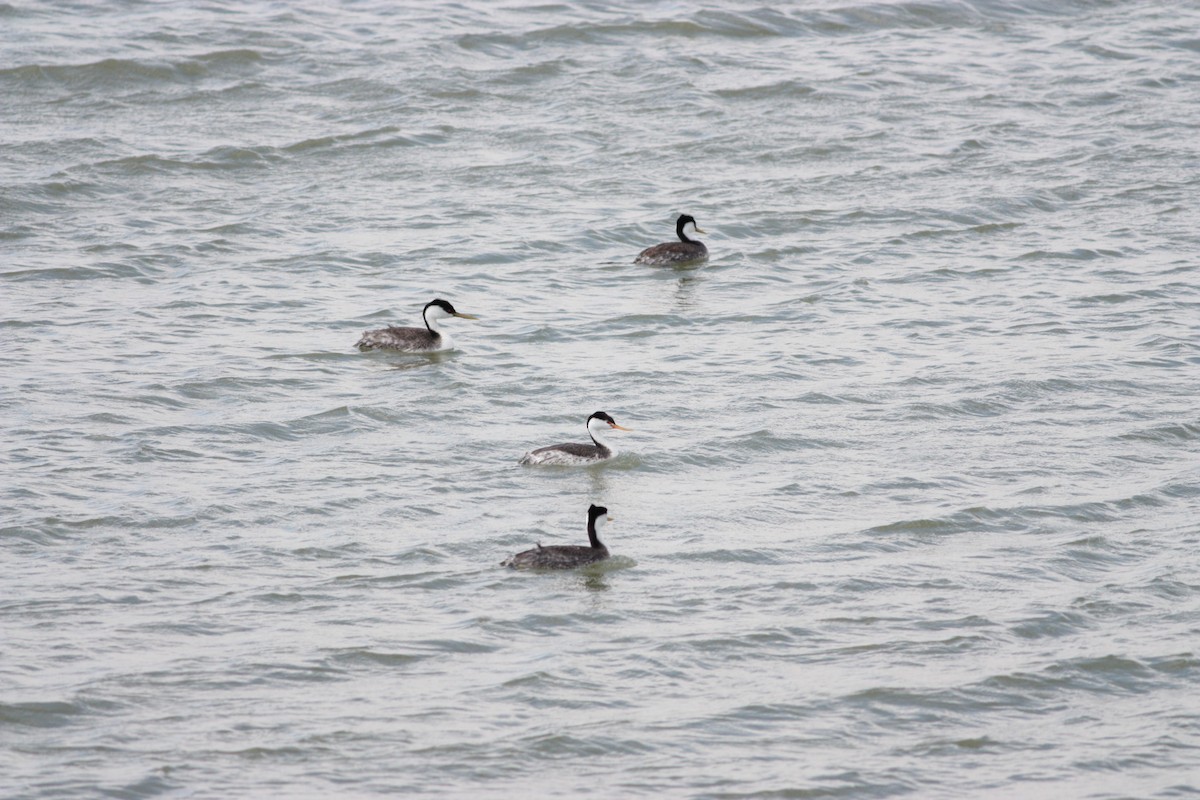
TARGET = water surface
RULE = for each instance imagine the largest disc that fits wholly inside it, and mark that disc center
(910, 504)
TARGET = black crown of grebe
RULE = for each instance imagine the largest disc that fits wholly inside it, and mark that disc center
(675, 252)
(415, 340)
(566, 556)
(577, 452)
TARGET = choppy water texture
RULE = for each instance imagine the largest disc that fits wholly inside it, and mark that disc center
(911, 504)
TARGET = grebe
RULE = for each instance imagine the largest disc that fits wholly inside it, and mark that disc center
(566, 556)
(675, 252)
(415, 340)
(578, 453)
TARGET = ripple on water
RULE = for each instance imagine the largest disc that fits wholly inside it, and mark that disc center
(742, 556)
(1173, 433)
(56, 713)
(359, 657)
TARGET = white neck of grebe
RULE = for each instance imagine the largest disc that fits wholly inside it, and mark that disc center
(431, 317)
(598, 428)
(594, 527)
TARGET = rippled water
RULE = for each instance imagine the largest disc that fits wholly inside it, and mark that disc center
(910, 506)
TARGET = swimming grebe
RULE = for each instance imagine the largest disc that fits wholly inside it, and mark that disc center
(566, 556)
(675, 252)
(578, 452)
(415, 340)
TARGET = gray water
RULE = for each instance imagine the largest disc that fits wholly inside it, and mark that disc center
(911, 504)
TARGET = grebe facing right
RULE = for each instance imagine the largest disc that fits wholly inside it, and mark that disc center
(571, 453)
(415, 340)
(681, 252)
(566, 556)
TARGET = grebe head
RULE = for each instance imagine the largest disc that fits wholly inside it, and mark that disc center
(597, 516)
(440, 309)
(600, 422)
(686, 219)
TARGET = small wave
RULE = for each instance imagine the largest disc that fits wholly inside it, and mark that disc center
(1108, 53)
(971, 519)
(108, 72)
(1027, 389)
(150, 452)
(957, 409)
(781, 90)
(1078, 254)
(1107, 674)
(453, 646)
(1170, 344)
(560, 746)
(105, 271)
(980, 228)
(38, 535)
(422, 555)
(1171, 433)
(154, 787)
(216, 159)
(756, 443)
(759, 23)
(356, 656)
(238, 57)
(239, 156)
(52, 714)
(387, 136)
(49, 194)
(325, 553)
(954, 747)
(290, 673)
(1024, 517)
(1119, 298)
(122, 73)
(142, 165)
(742, 556)
(1054, 625)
